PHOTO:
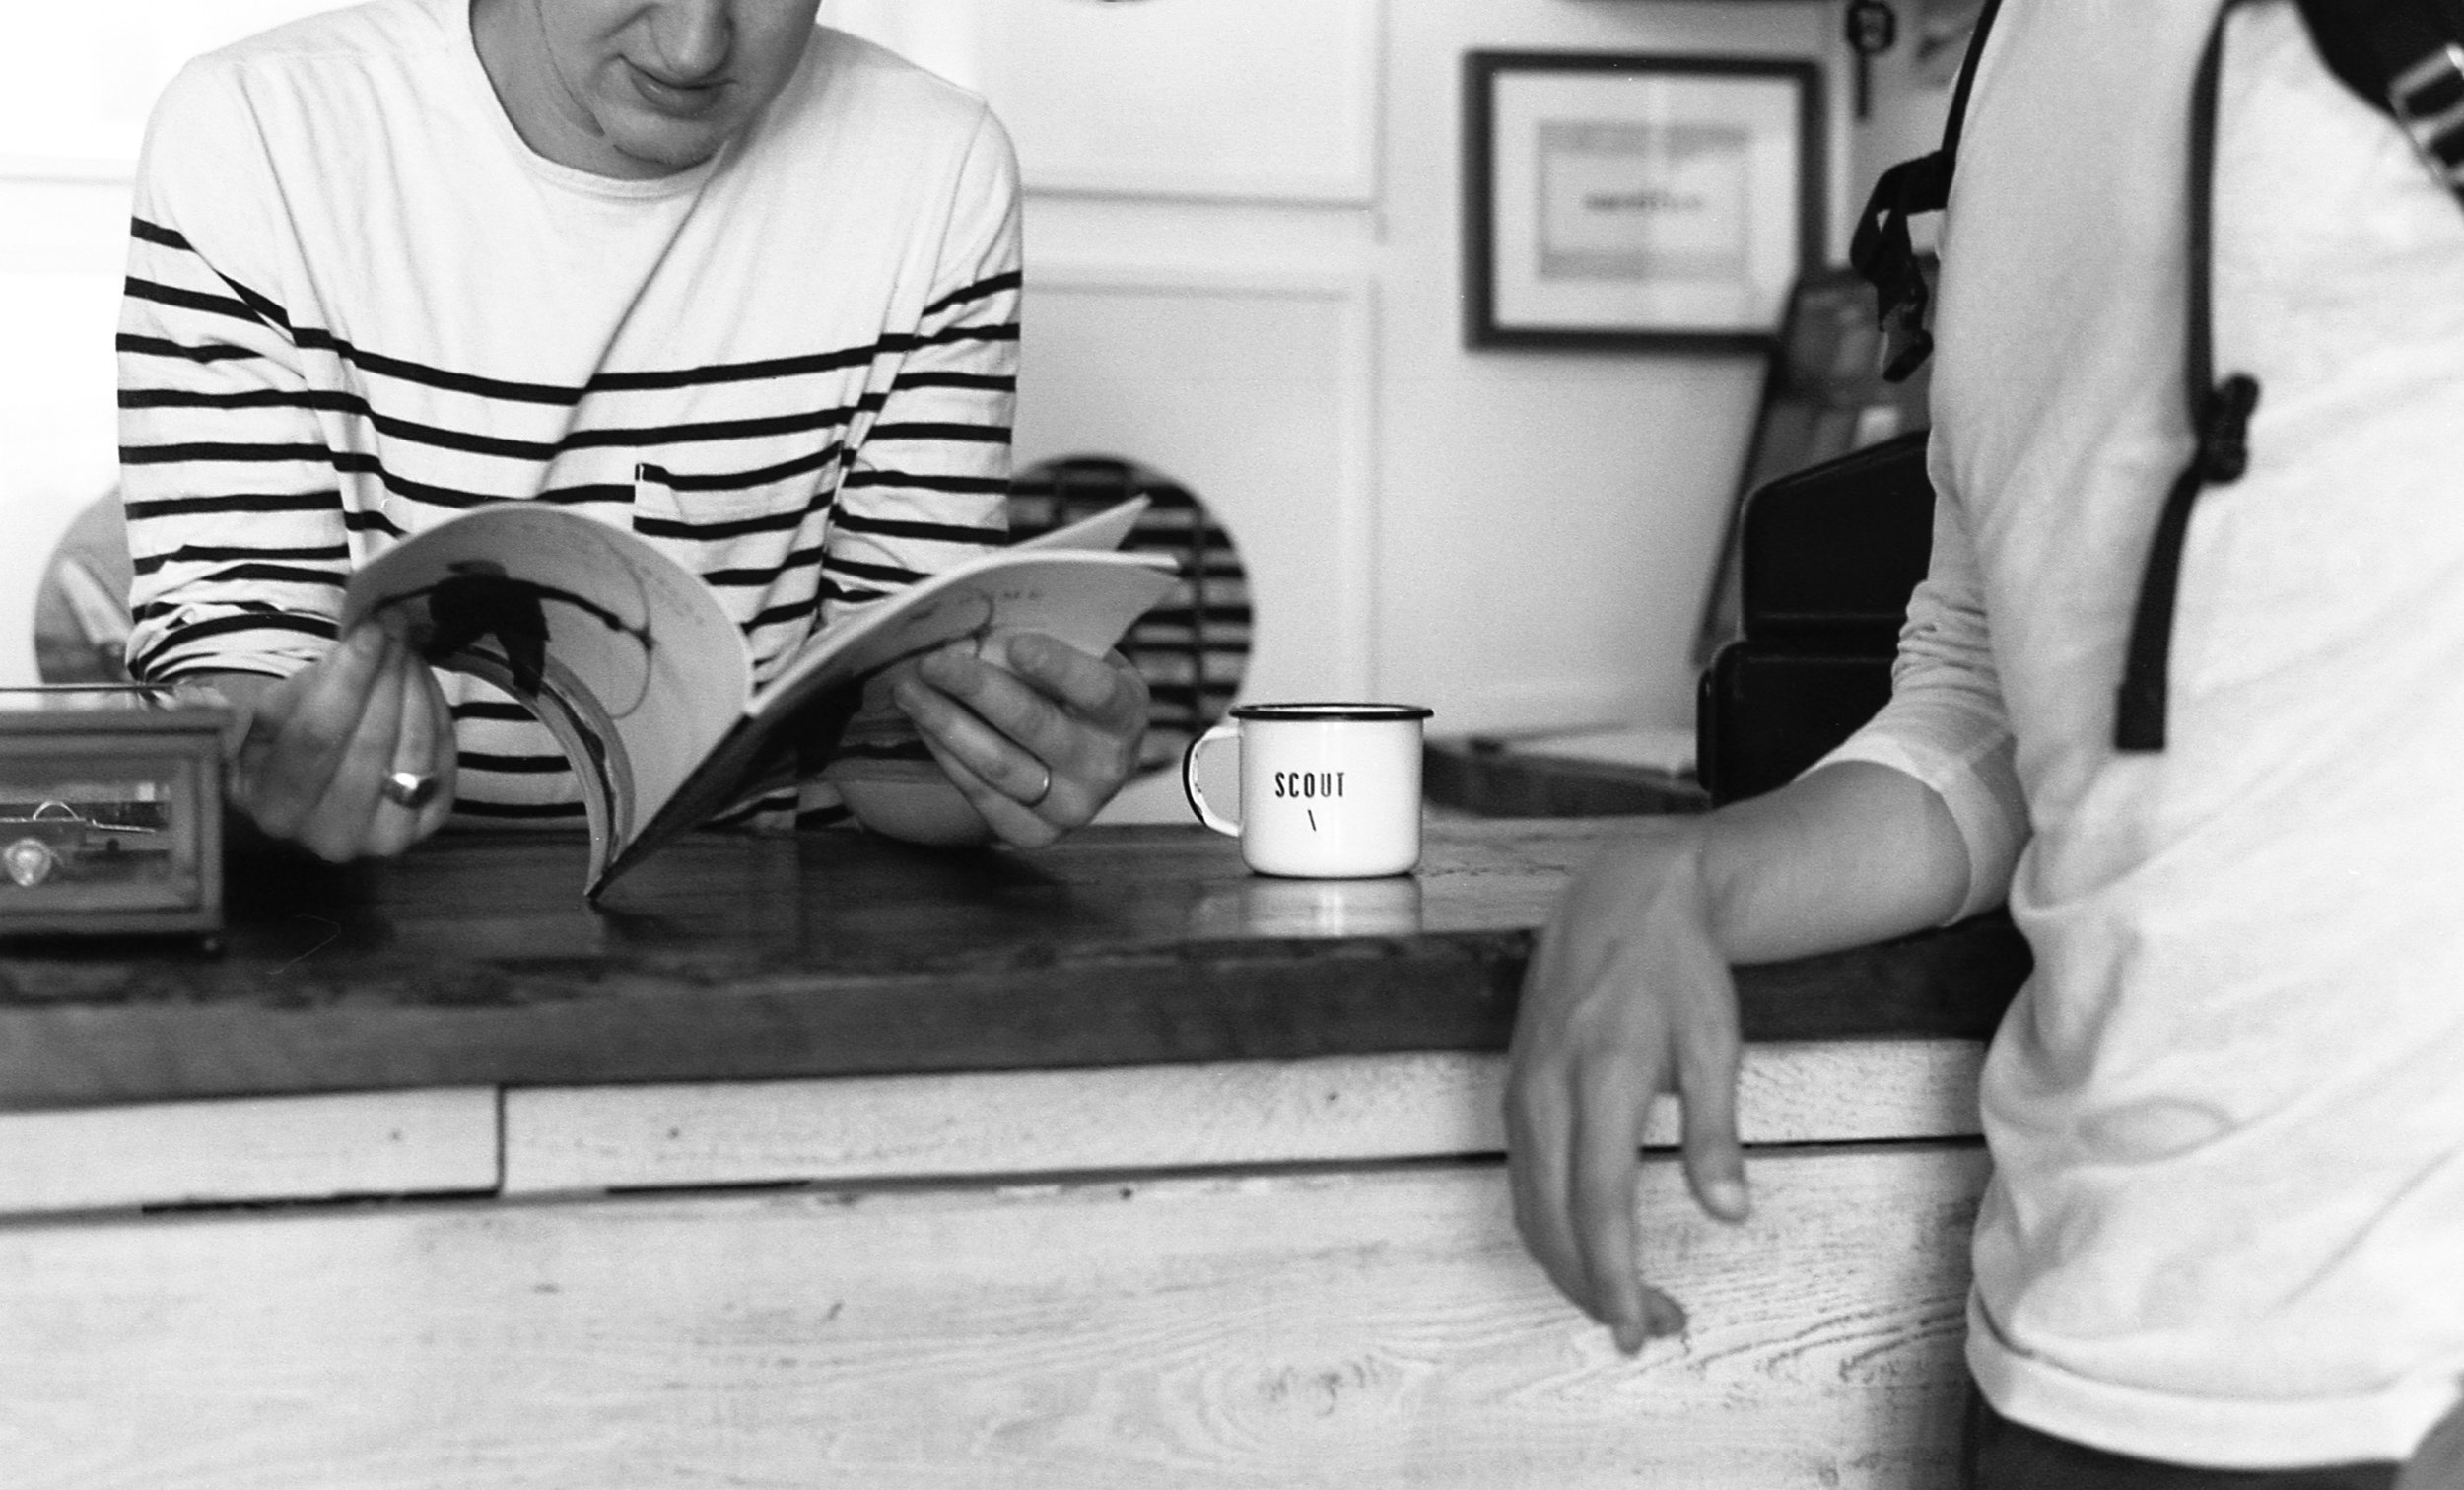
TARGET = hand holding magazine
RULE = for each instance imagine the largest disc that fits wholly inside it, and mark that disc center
(630, 662)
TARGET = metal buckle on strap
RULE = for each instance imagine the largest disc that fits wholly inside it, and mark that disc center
(2429, 102)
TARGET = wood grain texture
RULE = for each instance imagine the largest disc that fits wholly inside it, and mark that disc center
(474, 961)
(1332, 1109)
(268, 1148)
(1356, 1330)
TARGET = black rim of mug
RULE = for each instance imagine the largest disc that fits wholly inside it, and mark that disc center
(1314, 711)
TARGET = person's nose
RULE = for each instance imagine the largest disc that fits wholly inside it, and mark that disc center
(693, 37)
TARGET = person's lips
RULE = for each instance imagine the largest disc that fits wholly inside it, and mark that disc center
(680, 99)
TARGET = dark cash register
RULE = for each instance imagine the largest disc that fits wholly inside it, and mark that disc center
(1833, 533)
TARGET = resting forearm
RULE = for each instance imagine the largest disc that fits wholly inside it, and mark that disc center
(1851, 853)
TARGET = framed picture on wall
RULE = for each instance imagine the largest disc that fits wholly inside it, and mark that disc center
(1637, 202)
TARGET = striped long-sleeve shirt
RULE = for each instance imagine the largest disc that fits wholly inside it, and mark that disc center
(356, 303)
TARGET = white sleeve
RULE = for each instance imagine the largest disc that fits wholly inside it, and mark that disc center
(1945, 724)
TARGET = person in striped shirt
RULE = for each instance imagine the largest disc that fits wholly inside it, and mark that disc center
(702, 268)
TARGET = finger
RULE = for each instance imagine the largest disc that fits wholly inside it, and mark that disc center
(1707, 1058)
(1540, 1119)
(1013, 823)
(1017, 712)
(1611, 1098)
(1539, 1131)
(300, 740)
(442, 758)
(350, 817)
(1011, 769)
(395, 826)
(1103, 687)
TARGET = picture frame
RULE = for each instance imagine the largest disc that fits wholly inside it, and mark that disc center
(1637, 201)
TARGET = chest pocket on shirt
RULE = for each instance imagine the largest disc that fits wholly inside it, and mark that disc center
(725, 520)
(758, 547)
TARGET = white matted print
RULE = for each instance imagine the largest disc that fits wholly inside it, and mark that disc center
(1637, 201)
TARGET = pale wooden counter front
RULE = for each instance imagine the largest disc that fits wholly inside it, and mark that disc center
(1189, 1272)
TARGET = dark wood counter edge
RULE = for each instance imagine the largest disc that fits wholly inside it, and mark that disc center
(552, 1025)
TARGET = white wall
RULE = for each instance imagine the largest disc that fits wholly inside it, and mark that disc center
(61, 246)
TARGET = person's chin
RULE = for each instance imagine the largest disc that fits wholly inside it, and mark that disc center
(668, 145)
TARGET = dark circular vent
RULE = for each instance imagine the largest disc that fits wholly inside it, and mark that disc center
(1192, 647)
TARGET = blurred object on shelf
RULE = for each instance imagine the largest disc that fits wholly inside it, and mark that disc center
(1941, 38)
(81, 610)
(1595, 771)
(1824, 397)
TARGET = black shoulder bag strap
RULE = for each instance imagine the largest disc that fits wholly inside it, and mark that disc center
(1881, 250)
(2402, 56)
(2220, 416)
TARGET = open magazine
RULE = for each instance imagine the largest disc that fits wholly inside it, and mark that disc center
(630, 662)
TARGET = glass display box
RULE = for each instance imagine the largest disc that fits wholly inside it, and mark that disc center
(110, 813)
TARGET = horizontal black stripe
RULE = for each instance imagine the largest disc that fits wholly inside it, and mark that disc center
(155, 233)
(372, 523)
(1165, 615)
(928, 532)
(736, 481)
(840, 594)
(190, 300)
(156, 346)
(777, 615)
(531, 811)
(222, 626)
(750, 578)
(981, 289)
(721, 428)
(509, 765)
(363, 464)
(926, 429)
(326, 500)
(984, 383)
(213, 553)
(217, 450)
(1008, 331)
(253, 398)
(886, 573)
(823, 817)
(492, 709)
(403, 369)
(965, 485)
(274, 574)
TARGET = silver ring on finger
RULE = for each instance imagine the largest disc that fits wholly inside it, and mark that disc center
(413, 789)
(1036, 798)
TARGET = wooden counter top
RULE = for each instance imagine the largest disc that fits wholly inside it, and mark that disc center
(475, 960)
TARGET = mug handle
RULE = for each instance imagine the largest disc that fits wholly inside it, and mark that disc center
(1206, 814)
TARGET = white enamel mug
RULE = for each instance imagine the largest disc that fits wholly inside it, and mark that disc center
(1328, 790)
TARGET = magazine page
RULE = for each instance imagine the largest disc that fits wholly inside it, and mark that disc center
(622, 653)
(1086, 599)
